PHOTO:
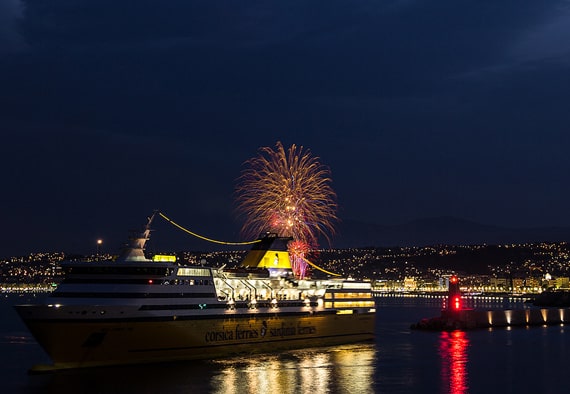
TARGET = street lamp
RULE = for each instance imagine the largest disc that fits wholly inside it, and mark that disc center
(99, 243)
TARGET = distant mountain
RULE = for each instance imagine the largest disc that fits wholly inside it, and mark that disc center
(441, 230)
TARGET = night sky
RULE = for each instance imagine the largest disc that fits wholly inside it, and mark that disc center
(111, 109)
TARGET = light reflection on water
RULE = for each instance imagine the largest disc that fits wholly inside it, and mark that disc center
(331, 370)
(18, 339)
(401, 361)
(454, 358)
(342, 369)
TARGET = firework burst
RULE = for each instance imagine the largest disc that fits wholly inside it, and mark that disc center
(297, 254)
(287, 192)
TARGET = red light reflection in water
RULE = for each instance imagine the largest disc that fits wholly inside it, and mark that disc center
(453, 352)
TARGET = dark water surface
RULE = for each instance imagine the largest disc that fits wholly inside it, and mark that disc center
(518, 360)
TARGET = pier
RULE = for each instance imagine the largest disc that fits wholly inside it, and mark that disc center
(455, 317)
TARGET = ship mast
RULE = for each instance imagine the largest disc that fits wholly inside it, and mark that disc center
(134, 249)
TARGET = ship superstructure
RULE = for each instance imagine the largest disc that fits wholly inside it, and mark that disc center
(139, 310)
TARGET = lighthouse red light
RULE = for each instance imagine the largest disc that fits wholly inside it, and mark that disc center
(457, 303)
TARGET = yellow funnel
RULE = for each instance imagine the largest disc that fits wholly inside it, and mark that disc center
(270, 252)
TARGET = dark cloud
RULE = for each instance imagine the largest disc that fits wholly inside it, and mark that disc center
(11, 41)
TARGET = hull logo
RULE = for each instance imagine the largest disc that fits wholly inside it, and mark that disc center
(245, 334)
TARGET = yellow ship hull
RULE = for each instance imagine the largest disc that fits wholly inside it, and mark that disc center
(90, 343)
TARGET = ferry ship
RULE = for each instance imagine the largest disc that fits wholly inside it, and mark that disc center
(135, 309)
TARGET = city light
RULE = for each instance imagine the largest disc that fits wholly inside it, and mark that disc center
(99, 243)
(390, 270)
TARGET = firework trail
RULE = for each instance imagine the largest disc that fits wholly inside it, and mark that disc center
(287, 192)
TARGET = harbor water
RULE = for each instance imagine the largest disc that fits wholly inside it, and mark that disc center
(401, 360)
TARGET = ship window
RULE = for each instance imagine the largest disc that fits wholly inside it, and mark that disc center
(354, 304)
(356, 285)
(194, 272)
(115, 270)
(352, 295)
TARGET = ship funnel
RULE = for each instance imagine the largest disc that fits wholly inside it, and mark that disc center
(270, 252)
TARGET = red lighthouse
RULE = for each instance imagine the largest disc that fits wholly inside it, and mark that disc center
(454, 295)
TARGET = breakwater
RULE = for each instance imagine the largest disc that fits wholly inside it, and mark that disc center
(473, 318)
